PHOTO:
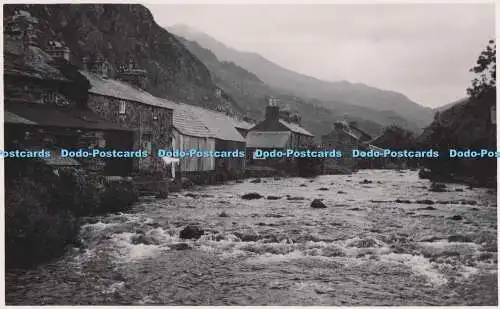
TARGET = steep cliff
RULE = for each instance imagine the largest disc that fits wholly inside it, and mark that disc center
(120, 33)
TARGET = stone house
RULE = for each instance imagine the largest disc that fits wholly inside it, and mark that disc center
(345, 137)
(124, 102)
(279, 130)
(45, 103)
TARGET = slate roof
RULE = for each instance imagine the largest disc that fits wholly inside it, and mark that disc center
(241, 124)
(267, 139)
(220, 125)
(187, 122)
(124, 91)
(9, 117)
(188, 119)
(295, 128)
(375, 148)
(44, 115)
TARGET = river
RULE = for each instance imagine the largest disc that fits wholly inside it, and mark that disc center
(384, 239)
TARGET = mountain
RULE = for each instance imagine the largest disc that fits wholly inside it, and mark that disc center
(120, 33)
(450, 105)
(250, 92)
(309, 87)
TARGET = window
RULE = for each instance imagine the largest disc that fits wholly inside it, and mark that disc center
(48, 97)
(123, 106)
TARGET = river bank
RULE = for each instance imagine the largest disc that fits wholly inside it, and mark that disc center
(384, 239)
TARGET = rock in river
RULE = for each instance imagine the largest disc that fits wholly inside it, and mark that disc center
(272, 197)
(317, 203)
(251, 196)
(256, 180)
(191, 232)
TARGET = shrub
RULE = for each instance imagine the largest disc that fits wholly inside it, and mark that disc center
(33, 233)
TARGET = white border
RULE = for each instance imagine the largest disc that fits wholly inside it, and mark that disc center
(360, 2)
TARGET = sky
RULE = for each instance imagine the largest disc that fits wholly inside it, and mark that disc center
(424, 51)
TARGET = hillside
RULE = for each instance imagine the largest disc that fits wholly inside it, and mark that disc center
(251, 93)
(123, 32)
(450, 105)
(247, 89)
(309, 87)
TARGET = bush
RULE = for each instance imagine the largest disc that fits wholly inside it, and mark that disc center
(33, 233)
(41, 210)
(118, 196)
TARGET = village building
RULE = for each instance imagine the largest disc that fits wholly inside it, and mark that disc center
(280, 130)
(190, 133)
(123, 101)
(346, 137)
(223, 129)
(45, 102)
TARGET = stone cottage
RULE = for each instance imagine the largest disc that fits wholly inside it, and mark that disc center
(123, 101)
(279, 130)
(45, 100)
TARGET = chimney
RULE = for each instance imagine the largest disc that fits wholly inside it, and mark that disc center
(272, 110)
(339, 125)
(295, 118)
(130, 73)
(96, 65)
(58, 50)
(285, 115)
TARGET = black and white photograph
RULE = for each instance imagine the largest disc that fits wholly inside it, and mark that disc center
(250, 154)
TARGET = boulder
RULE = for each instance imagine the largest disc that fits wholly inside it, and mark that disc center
(365, 181)
(456, 217)
(251, 196)
(186, 182)
(180, 246)
(256, 180)
(191, 232)
(317, 203)
(295, 198)
(426, 202)
(303, 185)
(144, 239)
(247, 236)
(428, 208)
(437, 187)
(323, 189)
(459, 238)
(272, 197)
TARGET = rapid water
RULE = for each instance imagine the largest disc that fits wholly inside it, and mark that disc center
(384, 241)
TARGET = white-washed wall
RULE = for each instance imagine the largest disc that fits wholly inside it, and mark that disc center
(194, 164)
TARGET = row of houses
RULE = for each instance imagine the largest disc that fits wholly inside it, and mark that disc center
(51, 104)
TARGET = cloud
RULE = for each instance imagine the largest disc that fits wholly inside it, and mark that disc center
(421, 50)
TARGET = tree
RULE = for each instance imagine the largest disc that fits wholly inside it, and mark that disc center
(395, 137)
(486, 70)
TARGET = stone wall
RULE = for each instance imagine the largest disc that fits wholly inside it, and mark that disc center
(152, 125)
(340, 140)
